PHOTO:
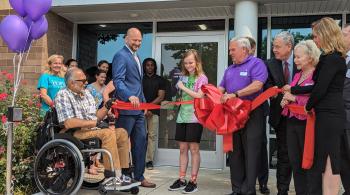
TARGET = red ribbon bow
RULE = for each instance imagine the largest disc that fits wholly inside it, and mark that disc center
(225, 118)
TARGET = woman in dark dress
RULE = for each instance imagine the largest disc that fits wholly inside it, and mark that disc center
(327, 100)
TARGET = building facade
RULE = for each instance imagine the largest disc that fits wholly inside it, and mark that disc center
(91, 30)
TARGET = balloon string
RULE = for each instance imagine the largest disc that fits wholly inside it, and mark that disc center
(14, 77)
(30, 45)
(24, 48)
(17, 77)
(16, 74)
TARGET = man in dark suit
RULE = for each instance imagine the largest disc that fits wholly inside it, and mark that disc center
(281, 70)
(127, 78)
(345, 169)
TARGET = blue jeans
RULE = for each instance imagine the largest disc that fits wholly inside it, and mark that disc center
(135, 126)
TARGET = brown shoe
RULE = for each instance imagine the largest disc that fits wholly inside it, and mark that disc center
(147, 184)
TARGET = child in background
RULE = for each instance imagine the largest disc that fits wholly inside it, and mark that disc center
(188, 129)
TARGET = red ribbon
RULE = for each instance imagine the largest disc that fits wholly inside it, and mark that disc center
(144, 106)
(309, 141)
(227, 118)
(231, 116)
(224, 119)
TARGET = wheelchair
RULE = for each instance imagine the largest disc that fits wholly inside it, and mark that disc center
(59, 165)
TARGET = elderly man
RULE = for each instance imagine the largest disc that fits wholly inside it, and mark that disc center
(76, 110)
(245, 79)
(127, 74)
(263, 170)
(345, 170)
(281, 70)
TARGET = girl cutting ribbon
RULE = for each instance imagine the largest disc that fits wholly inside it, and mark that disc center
(188, 129)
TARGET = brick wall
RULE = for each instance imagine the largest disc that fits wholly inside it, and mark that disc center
(57, 40)
(59, 35)
(87, 48)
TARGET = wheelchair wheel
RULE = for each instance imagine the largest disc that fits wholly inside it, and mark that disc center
(59, 168)
(134, 190)
(102, 190)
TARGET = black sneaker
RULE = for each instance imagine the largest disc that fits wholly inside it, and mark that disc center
(149, 165)
(190, 188)
(264, 189)
(178, 185)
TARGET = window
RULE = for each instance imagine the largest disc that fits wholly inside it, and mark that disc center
(299, 26)
(101, 41)
(231, 34)
(262, 38)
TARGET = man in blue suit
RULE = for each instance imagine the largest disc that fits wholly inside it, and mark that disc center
(127, 78)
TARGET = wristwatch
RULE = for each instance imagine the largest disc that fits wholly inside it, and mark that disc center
(236, 94)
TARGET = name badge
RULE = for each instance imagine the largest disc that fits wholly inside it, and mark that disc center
(348, 74)
(244, 74)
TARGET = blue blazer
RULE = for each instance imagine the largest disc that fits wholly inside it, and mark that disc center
(127, 78)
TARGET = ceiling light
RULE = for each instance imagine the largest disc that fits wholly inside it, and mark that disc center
(134, 15)
(103, 25)
(203, 26)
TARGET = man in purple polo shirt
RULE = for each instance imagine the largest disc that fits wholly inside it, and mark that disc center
(245, 79)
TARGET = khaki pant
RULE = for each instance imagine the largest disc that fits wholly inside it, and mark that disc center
(110, 138)
(152, 130)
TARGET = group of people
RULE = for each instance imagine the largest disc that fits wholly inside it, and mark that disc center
(311, 74)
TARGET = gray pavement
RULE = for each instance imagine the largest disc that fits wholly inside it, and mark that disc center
(210, 182)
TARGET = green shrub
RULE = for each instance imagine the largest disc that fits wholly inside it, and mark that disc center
(24, 135)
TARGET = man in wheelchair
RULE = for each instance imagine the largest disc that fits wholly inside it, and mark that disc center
(76, 110)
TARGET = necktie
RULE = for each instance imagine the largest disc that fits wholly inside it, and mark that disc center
(138, 62)
(286, 72)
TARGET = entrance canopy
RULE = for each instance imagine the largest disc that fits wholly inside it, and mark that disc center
(107, 11)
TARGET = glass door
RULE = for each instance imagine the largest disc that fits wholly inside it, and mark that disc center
(168, 54)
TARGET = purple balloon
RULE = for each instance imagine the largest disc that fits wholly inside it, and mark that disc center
(18, 6)
(37, 29)
(26, 46)
(28, 21)
(36, 8)
(14, 32)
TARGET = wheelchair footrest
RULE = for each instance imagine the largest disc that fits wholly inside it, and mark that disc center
(111, 185)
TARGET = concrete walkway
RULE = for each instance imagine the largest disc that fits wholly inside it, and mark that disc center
(210, 182)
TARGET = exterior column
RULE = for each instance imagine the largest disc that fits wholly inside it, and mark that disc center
(246, 18)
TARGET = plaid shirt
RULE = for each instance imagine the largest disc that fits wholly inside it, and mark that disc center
(72, 105)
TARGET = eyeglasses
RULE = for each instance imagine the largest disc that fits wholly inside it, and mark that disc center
(82, 80)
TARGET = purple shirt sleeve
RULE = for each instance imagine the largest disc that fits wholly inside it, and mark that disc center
(202, 80)
(223, 81)
(259, 71)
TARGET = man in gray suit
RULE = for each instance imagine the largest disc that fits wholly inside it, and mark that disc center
(345, 169)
